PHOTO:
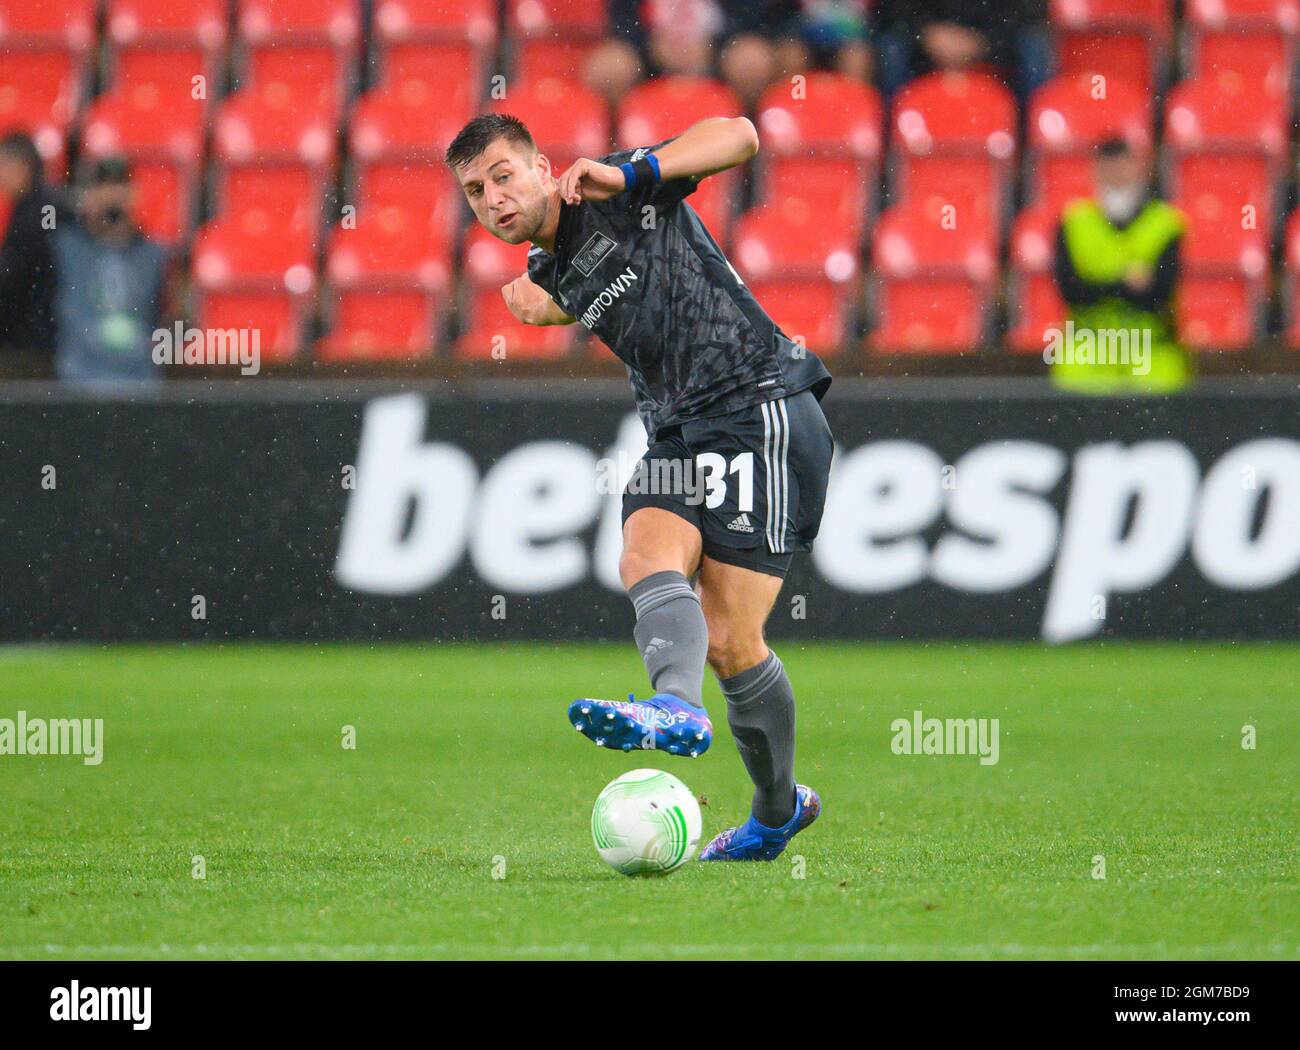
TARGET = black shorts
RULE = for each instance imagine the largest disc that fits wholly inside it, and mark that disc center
(753, 482)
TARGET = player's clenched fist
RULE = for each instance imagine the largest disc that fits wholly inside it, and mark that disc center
(590, 180)
(526, 300)
(531, 304)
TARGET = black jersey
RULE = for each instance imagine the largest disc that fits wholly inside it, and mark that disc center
(642, 272)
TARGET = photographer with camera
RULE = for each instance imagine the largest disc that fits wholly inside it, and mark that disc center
(111, 281)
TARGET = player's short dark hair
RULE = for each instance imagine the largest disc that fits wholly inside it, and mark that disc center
(481, 132)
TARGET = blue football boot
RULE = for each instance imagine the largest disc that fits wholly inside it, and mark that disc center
(755, 841)
(662, 723)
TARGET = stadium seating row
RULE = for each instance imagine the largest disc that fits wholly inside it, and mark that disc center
(394, 259)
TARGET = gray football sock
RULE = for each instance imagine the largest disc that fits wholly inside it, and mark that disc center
(671, 634)
(760, 711)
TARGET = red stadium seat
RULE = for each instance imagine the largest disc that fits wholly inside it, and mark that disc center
(828, 139)
(1217, 313)
(1127, 39)
(1253, 38)
(956, 111)
(1225, 267)
(336, 23)
(1035, 303)
(275, 316)
(390, 246)
(493, 331)
(1066, 120)
(815, 314)
(68, 25)
(567, 119)
(433, 36)
(411, 118)
(427, 189)
(146, 116)
(933, 285)
(538, 18)
(165, 195)
(473, 21)
(955, 133)
(309, 45)
(253, 269)
(661, 107)
(39, 93)
(167, 42)
(382, 325)
(172, 67)
(387, 276)
(1226, 111)
(834, 185)
(254, 247)
(565, 57)
(1217, 236)
(554, 38)
(159, 126)
(167, 23)
(834, 116)
(398, 136)
(291, 190)
(452, 65)
(275, 147)
(310, 73)
(928, 315)
(791, 237)
(1227, 136)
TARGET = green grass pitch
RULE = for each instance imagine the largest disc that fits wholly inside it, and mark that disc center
(464, 765)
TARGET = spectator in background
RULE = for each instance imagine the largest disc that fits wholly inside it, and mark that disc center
(777, 39)
(654, 38)
(110, 283)
(748, 43)
(27, 279)
(1005, 37)
(1117, 266)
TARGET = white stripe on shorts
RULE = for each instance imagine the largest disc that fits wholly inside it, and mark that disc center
(776, 448)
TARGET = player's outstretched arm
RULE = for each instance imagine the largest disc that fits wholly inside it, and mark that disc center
(531, 304)
(706, 148)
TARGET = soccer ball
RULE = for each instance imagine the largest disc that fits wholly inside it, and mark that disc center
(646, 822)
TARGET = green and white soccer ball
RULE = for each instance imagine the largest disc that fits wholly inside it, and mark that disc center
(646, 822)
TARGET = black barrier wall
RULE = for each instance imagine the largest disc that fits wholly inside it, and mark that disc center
(335, 511)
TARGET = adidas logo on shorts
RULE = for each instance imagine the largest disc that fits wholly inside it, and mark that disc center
(741, 524)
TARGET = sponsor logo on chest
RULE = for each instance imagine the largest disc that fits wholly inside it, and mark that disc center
(591, 254)
(611, 293)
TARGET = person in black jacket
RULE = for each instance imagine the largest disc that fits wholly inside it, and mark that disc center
(27, 268)
(1006, 37)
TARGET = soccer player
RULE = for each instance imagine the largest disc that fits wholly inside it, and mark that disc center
(731, 409)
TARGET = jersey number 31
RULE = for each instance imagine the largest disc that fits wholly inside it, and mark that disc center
(714, 469)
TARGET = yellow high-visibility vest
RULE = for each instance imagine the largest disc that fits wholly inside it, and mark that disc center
(1103, 254)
